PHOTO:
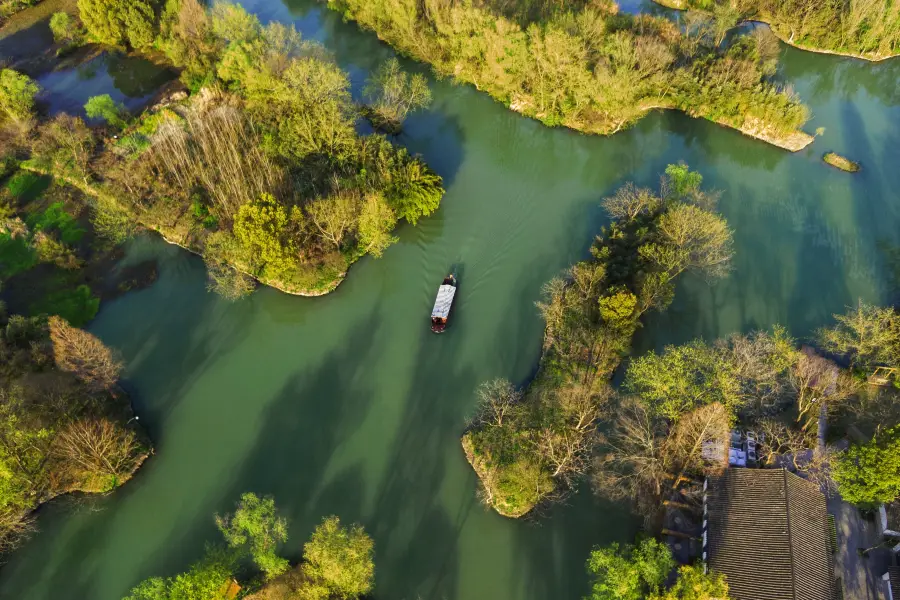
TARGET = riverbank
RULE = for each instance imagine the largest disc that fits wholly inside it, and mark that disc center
(531, 447)
(684, 5)
(560, 75)
(267, 183)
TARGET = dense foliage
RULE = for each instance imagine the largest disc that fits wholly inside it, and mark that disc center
(588, 66)
(870, 28)
(17, 92)
(62, 419)
(640, 573)
(120, 22)
(263, 169)
(337, 561)
(256, 527)
(527, 447)
(869, 474)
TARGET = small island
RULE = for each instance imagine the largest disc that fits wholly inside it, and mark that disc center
(844, 164)
(842, 28)
(575, 66)
(530, 447)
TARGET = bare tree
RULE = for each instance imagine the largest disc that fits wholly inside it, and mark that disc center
(83, 355)
(97, 446)
(335, 217)
(219, 150)
(635, 465)
(67, 144)
(16, 523)
(782, 441)
(819, 382)
(566, 451)
(498, 401)
(583, 406)
(684, 444)
(630, 201)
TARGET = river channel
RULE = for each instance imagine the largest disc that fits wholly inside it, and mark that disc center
(349, 405)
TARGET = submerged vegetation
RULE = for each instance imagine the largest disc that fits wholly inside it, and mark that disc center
(591, 68)
(864, 28)
(337, 561)
(63, 419)
(528, 447)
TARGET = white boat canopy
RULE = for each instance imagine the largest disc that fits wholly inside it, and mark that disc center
(443, 302)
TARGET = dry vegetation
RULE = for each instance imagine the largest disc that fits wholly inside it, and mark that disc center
(62, 419)
(842, 163)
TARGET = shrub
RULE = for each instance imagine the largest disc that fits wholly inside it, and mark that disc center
(105, 108)
(17, 92)
(63, 27)
(16, 255)
(77, 306)
(55, 218)
(26, 185)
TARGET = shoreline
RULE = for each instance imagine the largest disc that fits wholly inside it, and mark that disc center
(796, 141)
(90, 190)
(679, 6)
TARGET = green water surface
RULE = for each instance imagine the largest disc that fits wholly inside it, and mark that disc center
(349, 405)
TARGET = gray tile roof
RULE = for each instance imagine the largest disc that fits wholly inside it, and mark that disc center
(768, 533)
(894, 581)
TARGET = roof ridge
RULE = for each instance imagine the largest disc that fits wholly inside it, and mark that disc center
(790, 538)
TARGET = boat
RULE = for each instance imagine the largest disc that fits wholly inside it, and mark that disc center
(443, 304)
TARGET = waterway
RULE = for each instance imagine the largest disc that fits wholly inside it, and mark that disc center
(348, 405)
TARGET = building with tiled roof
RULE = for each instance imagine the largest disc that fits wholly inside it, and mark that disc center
(767, 531)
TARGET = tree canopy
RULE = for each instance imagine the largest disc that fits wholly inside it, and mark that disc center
(120, 22)
(587, 65)
(338, 561)
(639, 572)
(869, 474)
(104, 107)
(17, 92)
(546, 441)
(256, 526)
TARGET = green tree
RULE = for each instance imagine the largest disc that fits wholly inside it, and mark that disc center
(205, 580)
(869, 474)
(393, 93)
(629, 572)
(682, 181)
(376, 221)
(694, 584)
(120, 22)
(104, 107)
(17, 92)
(261, 228)
(64, 28)
(415, 191)
(256, 526)
(338, 561)
(867, 335)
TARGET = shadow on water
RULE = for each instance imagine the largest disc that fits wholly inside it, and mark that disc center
(129, 80)
(303, 425)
